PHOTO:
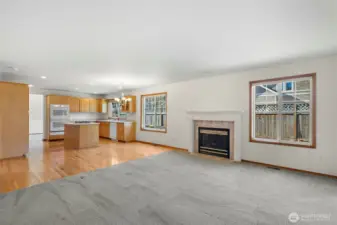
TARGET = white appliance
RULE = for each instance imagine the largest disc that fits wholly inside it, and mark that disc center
(59, 114)
(113, 131)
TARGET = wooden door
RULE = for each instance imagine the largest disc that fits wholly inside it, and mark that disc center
(74, 104)
(84, 105)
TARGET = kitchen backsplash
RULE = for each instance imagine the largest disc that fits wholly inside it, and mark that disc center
(88, 116)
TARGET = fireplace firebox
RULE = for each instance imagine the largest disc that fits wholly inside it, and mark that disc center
(214, 141)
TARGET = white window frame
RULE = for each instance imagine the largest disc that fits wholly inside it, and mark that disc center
(312, 110)
(142, 119)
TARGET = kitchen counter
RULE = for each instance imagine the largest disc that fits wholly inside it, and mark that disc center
(79, 124)
(81, 135)
(115, 121)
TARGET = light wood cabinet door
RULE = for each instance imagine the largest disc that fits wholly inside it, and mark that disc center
(120, 132)
(129, 132)
(102, 105)
(74, 104)
(104, 130)
(58, 100)
(84, 105)
(93, 105)
(129, 104)
(126, 132)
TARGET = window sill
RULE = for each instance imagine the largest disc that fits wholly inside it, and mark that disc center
(313, 146)
(153, 130)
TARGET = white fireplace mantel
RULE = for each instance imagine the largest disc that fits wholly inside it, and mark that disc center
(219, 115)
(193, 111)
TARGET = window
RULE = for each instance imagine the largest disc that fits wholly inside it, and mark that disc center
(154, 112)
(283, 111)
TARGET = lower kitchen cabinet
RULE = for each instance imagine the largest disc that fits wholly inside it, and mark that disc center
(104, 129)
(126, 132)
(118, 131)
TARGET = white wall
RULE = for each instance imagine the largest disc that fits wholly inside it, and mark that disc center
(231, 92)
(35, 114)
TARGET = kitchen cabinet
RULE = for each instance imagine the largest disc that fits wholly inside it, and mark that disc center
(93, 105)
(74, 104)
(102, 105)
(104, 129)
(84, 105)
(128, 104)
(126, 132)
(58, 100)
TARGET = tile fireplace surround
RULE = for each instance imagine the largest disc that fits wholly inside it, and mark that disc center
(215, 124)
(229, 119)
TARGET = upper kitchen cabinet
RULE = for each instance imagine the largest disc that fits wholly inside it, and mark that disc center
(102, 105)
(128, 104)
(74, 104)
(84, 105)
(93, 107)
(58, 100)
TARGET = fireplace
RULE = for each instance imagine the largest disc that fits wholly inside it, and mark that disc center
(214, 141)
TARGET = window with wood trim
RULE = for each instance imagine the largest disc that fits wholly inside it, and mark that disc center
(154, 112)
(283, 111)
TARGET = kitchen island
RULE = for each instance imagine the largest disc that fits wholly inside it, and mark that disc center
(81, 135)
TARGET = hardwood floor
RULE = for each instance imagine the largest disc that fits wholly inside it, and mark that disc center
(49, 161)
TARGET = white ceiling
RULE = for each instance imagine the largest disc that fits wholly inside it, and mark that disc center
(97, 45)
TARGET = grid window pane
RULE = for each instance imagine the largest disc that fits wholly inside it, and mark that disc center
(154, 112)
(281, 110)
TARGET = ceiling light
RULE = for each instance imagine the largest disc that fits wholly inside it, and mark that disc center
(30, 85)
(95, 92)
(76, 88)
(43, 77)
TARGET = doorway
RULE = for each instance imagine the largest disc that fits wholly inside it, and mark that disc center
(35, 114)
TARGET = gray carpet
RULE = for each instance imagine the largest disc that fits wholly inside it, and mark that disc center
(173, 188)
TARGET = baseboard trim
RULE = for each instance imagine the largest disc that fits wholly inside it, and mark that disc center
(289, 168)
(165, 146)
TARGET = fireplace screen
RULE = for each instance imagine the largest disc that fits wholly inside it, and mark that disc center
(214, 141)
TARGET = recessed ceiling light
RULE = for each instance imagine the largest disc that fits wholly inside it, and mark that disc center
(43, 77)
(95, 92)
(76, 88)
(30, 85)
